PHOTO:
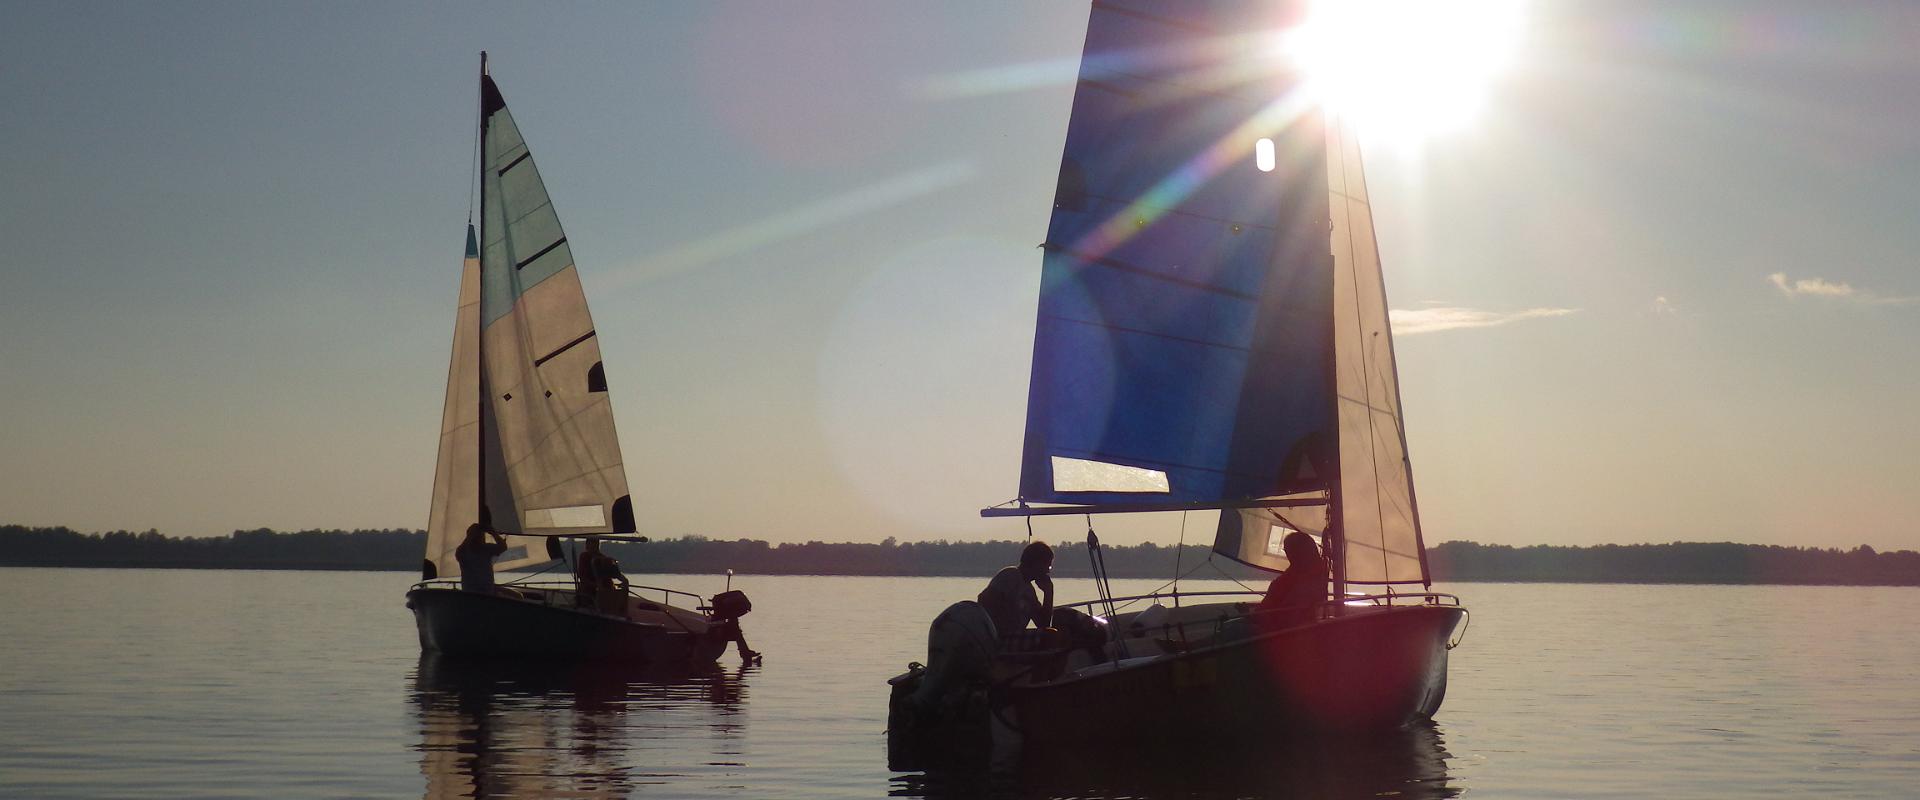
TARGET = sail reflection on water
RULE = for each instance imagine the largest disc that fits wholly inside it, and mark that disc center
(504, 729)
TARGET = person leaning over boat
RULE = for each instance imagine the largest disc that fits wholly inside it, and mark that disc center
(476, 555)
(598, 582)
(1295, 596)
(1009, 600)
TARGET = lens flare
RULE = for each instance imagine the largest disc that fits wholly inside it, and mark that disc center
(1407, 70)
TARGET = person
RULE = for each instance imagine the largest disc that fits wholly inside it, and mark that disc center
(598, 582)
(1008, 598)
(475, 556)
(1295, 596)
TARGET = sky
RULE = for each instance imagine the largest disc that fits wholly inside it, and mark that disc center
(1661, 287)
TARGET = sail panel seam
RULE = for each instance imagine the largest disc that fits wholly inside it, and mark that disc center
(1122, 266)
(1178, 212)
(1164, 337)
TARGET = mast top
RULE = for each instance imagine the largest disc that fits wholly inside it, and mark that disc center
(483, 63)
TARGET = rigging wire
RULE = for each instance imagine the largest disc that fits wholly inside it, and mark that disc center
(536, 573)
(1224, 574)
(1180, 550)
(473, 188)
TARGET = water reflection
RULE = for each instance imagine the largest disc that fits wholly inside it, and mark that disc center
(506, 729)
(1407, 764)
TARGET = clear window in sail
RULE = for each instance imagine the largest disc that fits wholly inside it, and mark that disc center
(567, 517)
(1081, 475)
(1263, 156)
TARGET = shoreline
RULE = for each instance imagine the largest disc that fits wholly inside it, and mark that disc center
(334, 567)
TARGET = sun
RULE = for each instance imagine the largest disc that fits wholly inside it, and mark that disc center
(1406, 71)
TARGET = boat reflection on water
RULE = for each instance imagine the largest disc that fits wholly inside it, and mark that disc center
(514, 729)
(1410, 764)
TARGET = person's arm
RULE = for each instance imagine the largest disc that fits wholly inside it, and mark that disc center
(499, 544)
(1276, 595)
(1043, 616)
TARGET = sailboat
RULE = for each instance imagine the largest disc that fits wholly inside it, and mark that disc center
(528, 447)
(1212, 335)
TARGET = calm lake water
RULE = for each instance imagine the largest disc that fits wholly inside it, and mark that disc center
(138, 683)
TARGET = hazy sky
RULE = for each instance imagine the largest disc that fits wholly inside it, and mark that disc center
(1663, 288)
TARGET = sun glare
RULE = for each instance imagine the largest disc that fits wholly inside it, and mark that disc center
(1406, 70)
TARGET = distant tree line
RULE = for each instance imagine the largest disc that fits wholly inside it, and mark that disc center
(1679, 562)
(254, 549)
(400, 550)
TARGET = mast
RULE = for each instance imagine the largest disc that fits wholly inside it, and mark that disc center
(480, 319)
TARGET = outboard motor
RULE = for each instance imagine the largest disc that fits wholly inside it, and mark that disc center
(731, 605)
(928, 706)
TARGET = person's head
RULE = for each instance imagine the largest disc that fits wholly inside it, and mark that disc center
(593, 544)
(475, 531)
(1299, 548)
(1036, 561)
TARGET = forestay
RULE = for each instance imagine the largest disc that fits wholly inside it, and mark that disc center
(1183, 346)
(540, 435)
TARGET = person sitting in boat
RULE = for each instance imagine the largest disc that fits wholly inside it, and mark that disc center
(476, 555)
(1295, 596)
(1008, 598)
(598, 582)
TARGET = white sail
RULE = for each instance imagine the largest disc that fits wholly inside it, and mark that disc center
(1381, 525)
(527, 422)
(456, 489)
(546, 387)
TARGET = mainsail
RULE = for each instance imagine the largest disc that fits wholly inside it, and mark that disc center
(1212, 327)
(528, 422)
(1183, 346)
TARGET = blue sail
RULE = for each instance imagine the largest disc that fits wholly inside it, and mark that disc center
(1183, 351)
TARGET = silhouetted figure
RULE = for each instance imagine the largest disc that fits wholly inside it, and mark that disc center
(1009, 600)
(598, 582)
(475, 556)
(1295, 596)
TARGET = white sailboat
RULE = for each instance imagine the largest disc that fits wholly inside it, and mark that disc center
(528, 447)
(1212, 335)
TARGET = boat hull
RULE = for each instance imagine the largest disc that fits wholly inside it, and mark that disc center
(465, 624)
(1370, 669)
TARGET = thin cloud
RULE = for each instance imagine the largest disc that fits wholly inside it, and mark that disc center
(1663, 306)
(1817, 287)
(1810, 286)
(1411, 322)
